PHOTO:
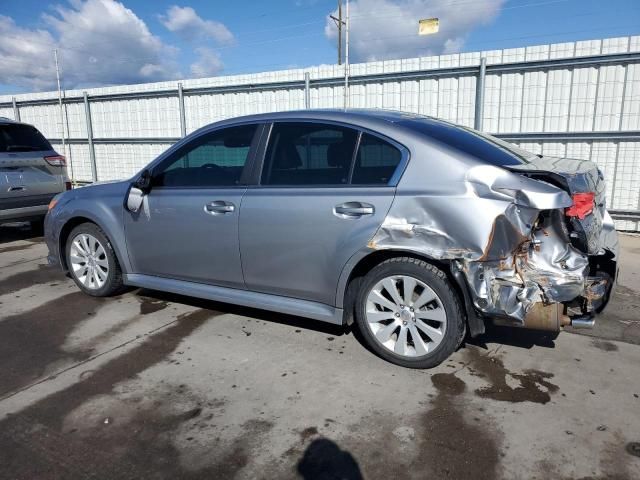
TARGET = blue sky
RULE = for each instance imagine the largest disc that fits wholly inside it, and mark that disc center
(104, 42)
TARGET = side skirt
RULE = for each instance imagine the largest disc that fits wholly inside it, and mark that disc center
(265, 301)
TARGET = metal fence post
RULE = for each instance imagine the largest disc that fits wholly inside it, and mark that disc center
(92, 151)
(183, 120)
(16, 110)
(307, 91)
(479, 111)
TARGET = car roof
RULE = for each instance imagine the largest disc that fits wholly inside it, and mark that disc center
(353, 114)
(384, 121)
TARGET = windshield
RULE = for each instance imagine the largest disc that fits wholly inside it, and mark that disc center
(22, 138)
(485, 147)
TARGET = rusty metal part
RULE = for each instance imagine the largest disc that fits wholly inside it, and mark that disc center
(546, 317)
(550, 317)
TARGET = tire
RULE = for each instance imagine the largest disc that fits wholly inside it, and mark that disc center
(433, 312)
(107, 279)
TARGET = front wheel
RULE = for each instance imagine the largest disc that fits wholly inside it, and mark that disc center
(408, 313)
(92, 261)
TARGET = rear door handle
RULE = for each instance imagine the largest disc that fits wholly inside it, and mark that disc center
(353, 210)
(219, 207)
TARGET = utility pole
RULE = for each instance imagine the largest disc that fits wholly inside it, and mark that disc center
(339, 24)
(64, 143)
(346, 61)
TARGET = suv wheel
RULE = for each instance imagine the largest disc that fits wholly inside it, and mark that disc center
(408, 313)
(92, 262)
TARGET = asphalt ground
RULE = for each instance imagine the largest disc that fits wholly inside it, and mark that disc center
(150, 385)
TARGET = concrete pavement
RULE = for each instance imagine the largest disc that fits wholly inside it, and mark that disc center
(150, 385)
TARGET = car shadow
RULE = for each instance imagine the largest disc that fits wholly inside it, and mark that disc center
(255, 313)
(12, 232)
(513, 336)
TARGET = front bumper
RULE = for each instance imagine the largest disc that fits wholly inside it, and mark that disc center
(52, 229)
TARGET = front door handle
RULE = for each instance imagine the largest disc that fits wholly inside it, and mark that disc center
(353, 210)
(219, 207)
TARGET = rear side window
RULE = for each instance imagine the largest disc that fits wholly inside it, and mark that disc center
(484, 147)
(376, 161)
(22, 138)
(309, 154)
(213, 160)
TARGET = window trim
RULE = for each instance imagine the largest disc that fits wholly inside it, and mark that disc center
(247, 169)
(393, 181)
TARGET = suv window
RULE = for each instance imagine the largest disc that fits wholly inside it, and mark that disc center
(309, 154)
(376, 161)
(22, 138)
(213, 160)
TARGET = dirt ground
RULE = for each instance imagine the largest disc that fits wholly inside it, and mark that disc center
(150, 385)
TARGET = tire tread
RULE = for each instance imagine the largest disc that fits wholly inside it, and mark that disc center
(455, 318)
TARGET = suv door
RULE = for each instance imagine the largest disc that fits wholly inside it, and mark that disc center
(313, 208)
(187, 228)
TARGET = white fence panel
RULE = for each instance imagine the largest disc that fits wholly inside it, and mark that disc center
(544, 106)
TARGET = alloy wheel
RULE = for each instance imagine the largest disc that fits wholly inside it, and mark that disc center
(89, 262)
(405, 316)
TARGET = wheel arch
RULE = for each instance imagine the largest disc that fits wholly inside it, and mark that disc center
(73, 222)
(361, 263)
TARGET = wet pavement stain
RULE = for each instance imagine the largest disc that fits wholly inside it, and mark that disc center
(33, 444)
(448, 383)
(308, 433)
(437, 442)
(449, 446)
(492, 369)
(151, 305)
(633, 448)
(238, 455)
(16, 248)
(604, 345)
(43, 274)
(31, 341)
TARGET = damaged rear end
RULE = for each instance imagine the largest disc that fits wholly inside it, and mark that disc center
(528, 239)
(563, 271)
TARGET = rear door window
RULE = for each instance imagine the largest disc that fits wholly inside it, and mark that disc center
(22, 138)
(309, 154)
(376, 161)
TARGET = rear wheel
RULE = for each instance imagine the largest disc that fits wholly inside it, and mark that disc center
(408, 313)
(92, 262)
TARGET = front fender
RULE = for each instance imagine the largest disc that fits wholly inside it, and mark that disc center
(102, 205)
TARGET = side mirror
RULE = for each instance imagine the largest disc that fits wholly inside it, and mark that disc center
(135, 197)
(144, 181)
(137, 191)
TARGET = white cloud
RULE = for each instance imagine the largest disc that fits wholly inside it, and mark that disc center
(185, 22)
(208, 63)
(384, 29)
(100, 42)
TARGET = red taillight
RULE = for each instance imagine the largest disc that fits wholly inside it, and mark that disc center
(56, 160)
(582, 205)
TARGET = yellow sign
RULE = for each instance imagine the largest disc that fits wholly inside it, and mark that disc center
(427, 26)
